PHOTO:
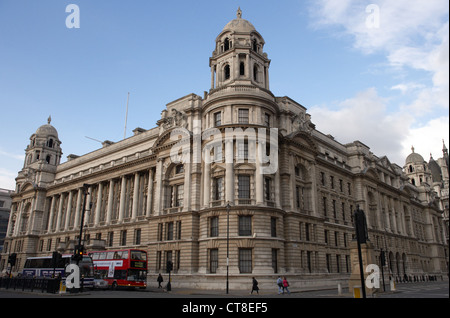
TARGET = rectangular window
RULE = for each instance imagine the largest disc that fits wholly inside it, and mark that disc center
(267, 120)
(168, 198)
(180, 195)
(245, 225)
(275, 260)
(137, 236)
(217, 119)
(322, 178)
(267, 189)
(273, 227)
(214, 226)
(244, 187)
(243, 116)
(170, 231)
(245, 260)
(218, 189)
(242, 149)
(178, 230)
(213, 260)
(110, 239)
(307, 232)
(297, 196)
(123, 237)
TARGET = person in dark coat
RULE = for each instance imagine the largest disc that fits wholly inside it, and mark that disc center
(254, 286)
(159, 280)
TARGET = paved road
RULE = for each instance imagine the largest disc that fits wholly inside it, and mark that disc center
(438, 289)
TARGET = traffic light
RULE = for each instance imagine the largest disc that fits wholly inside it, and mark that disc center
(169, 266)
(12, 259)
(78, 253)
(56, 257)
(383, 258)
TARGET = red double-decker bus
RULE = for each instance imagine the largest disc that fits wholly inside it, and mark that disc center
(124, 268)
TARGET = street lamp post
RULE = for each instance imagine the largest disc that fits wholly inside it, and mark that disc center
(85, 190)
(228, 241)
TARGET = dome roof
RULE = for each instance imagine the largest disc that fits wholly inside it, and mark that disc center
(239, 24)
(47, 130)
(415, 158)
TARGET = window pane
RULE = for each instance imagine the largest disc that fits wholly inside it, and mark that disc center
(245, 260)
(214, 260)
(245, 225)
(244, 187)
(243, 116)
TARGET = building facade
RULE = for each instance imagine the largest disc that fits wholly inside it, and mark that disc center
(5, 207)
(238, 171)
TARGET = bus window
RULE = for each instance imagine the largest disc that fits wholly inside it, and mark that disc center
(138, 255)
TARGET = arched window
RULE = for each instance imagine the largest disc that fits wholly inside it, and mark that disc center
(226, 44)
(227, 72)
(255, 72)
(50, 143)
(255, 45)
(48, 158)
(242, 69)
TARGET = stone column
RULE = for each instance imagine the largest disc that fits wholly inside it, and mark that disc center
(259, 180)
(207, 185)
(229, 173)
(122, 198)
(110, 202)
(88, 206)
(60, 212)
(98, 207)
(187, 187)
(69, 210)
(76, 222)
(135, 197)
(159, 187)
(277, 188)
(52, 214)
(150, 192)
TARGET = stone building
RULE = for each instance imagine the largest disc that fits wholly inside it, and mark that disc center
(238, 162)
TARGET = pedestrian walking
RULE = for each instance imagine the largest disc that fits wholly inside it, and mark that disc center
(160, 280)
(286, 285)
(254, 286)
(280, 285)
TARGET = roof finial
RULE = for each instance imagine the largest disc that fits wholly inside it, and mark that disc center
(239, 13)
(49, 120)
(412, 148)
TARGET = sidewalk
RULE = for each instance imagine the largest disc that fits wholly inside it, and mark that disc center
(246, 293)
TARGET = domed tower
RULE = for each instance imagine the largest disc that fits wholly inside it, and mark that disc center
(42, 156)
(416, 169)
(239, 57)
(242, 108)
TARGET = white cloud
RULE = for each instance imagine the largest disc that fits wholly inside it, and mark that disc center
(7, 179)
(365, 117)
(428, 138)
(413, 35)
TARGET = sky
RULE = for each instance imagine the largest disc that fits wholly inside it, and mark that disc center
(376, 71)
